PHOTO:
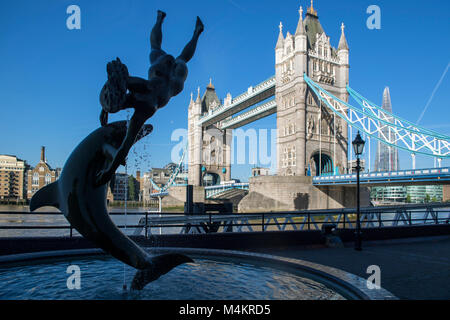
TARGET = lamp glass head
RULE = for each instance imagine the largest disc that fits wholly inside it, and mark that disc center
(358, 144)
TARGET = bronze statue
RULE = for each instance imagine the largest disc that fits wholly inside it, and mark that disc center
(166, 78)
(84, 205)
(80, 192)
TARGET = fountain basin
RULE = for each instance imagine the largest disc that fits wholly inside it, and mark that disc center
(216, 275)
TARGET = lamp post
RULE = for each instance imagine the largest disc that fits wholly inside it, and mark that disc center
(358, 147)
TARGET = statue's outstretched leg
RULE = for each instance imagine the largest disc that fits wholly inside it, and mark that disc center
(189, 49)
(156, 38)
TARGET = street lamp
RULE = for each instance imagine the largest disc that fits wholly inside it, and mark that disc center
(358, 147)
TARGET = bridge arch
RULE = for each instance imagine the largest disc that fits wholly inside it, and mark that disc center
(210, 179)
(321, 163)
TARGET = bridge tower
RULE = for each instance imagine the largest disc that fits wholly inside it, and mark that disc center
(209, 147)
(311, 140)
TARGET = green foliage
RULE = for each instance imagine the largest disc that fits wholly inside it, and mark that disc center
(133, 193)
(408, 198)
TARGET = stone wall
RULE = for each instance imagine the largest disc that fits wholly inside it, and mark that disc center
(177, 196)
(287, 193)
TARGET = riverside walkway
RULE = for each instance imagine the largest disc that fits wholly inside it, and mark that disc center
(413, 268)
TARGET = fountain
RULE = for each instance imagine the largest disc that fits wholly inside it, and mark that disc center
(80, 194)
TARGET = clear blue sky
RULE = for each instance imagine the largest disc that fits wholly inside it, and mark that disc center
(51, 76)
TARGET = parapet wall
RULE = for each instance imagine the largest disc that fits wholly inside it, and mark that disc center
(287, 193)
(177, 196)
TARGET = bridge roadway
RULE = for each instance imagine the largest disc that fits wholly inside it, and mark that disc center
(259, 112)
(254, 95)
(405, 177)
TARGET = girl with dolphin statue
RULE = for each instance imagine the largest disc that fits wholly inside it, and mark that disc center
(80, 192)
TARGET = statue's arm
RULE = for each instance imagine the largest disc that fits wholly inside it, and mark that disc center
(135, 125)
(136, 84)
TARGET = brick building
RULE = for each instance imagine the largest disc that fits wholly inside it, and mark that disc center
(41, 175)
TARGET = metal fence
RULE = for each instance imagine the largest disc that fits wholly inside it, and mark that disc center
(148, 223)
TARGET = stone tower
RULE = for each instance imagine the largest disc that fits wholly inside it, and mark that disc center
(209, 147)
(311, 140)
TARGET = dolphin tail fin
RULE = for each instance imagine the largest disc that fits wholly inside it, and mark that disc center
(160, 265)
(46, 196)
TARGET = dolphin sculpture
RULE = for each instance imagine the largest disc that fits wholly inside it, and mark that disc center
(84, 204)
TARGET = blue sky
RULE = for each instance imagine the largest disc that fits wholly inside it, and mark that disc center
(51, 76)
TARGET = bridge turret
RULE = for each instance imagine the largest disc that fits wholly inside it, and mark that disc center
(279, 48)
(343, 55)
(195, 136)
(300, 34)
(306, 131)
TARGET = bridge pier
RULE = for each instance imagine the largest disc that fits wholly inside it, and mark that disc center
(177, 196)
(288, 193)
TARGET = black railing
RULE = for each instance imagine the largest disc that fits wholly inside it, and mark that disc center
(262, 221)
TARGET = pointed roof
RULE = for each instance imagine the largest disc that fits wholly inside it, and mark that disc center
(210, 98)
(280, 42)
(191, 102)
(312, 28)
(210, 85)
(198, 96)
(343, 41)
(300, 27)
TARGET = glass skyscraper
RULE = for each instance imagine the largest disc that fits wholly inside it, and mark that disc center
(387, 160)
(387, 156)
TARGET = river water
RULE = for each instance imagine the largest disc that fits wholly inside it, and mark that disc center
(17, 216)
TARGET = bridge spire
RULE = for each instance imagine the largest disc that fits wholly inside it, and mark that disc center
(300, 27)
(280, 42)
(198, 95)
(343, 41)
(210, 85)
(311, 10)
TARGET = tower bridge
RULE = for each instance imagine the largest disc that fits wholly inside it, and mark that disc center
(310, 95)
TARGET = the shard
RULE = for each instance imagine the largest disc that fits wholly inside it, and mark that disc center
(387, 156)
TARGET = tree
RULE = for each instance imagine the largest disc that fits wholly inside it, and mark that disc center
(408, 198)
(132, 194)
(427, 198)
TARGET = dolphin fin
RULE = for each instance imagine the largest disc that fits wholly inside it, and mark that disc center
(160, 265)
(46, 196)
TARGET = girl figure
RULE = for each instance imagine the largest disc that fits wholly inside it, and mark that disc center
(166, 78)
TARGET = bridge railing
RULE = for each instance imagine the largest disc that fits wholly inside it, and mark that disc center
(214, 190)
(148, 223)
(435, 173)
